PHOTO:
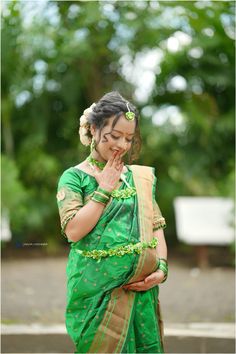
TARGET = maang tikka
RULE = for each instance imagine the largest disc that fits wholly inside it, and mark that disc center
(129, 115)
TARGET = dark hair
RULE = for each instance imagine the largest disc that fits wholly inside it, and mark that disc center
(110, 105)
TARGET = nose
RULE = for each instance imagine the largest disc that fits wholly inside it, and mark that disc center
(122, 144)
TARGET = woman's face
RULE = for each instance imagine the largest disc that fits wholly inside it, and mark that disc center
(117, 138)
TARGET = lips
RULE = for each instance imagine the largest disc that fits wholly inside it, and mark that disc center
(116, 151)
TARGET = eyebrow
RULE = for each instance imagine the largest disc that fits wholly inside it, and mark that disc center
(121, 132)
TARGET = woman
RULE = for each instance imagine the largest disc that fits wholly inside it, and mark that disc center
(118, 252)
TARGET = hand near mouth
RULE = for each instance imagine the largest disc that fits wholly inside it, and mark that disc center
(110, 175)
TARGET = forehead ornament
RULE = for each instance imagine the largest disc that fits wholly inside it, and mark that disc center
(129, 115)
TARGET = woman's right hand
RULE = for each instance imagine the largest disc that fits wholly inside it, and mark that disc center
(110, 175)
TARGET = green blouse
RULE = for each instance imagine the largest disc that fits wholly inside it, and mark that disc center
(75, 189)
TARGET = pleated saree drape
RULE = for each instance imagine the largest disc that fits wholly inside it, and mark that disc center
(102, 317)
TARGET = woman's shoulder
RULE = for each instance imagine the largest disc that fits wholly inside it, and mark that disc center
(68, 172)
(74, 174)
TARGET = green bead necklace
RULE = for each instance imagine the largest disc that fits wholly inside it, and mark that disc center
(95, 162)
(117, 193)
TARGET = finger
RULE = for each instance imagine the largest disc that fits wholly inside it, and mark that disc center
(152, 277)
(118, 163)
(133, 284)
(138, 288)
(129, 286)
(139, 284)
(119, 166)
(116, 160)
(111, 159)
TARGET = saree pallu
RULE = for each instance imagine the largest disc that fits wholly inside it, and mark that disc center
(102, 317)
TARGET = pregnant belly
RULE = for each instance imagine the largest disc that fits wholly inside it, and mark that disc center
(89, 277)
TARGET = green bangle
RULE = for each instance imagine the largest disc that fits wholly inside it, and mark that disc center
(163, 265)
(162, 261)
(99, 199)
(99, 194)
(103, 191)
(165, 269)
(164, 279)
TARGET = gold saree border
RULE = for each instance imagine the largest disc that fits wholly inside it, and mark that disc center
(160, 323)
(113, 328)
(112, 331)
(143, 180)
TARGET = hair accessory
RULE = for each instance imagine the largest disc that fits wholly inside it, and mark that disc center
(129, 115)
(84, 132)
(92, 145)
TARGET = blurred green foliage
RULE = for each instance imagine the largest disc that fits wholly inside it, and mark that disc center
(60, 56)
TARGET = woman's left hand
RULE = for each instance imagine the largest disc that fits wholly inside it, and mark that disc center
(148, 283)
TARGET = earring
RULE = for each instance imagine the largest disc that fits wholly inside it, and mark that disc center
(92, 145)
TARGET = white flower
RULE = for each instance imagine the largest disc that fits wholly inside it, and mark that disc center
(83, 120)
(84, 138)
(84, 126)
(89, 110)
(83, 130)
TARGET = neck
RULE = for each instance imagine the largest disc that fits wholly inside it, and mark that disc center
(97, 156)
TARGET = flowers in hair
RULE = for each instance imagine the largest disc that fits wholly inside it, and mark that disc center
(85, 138)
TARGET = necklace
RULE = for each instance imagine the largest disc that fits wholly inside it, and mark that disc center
(95, 162)
(116, 193)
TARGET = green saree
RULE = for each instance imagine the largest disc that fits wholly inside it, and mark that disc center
(102, 317)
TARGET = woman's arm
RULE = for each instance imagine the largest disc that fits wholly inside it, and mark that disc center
(161, 246)
(87, 216)
(84, 221)
(156, 277)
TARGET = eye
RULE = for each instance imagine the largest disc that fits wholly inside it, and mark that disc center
(114, 137)
(129, 141)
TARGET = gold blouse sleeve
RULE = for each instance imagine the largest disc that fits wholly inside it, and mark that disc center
(158, 220)
(69, 197)
(69, 202)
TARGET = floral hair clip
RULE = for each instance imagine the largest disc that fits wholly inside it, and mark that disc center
(85, 126)
(129, 115)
